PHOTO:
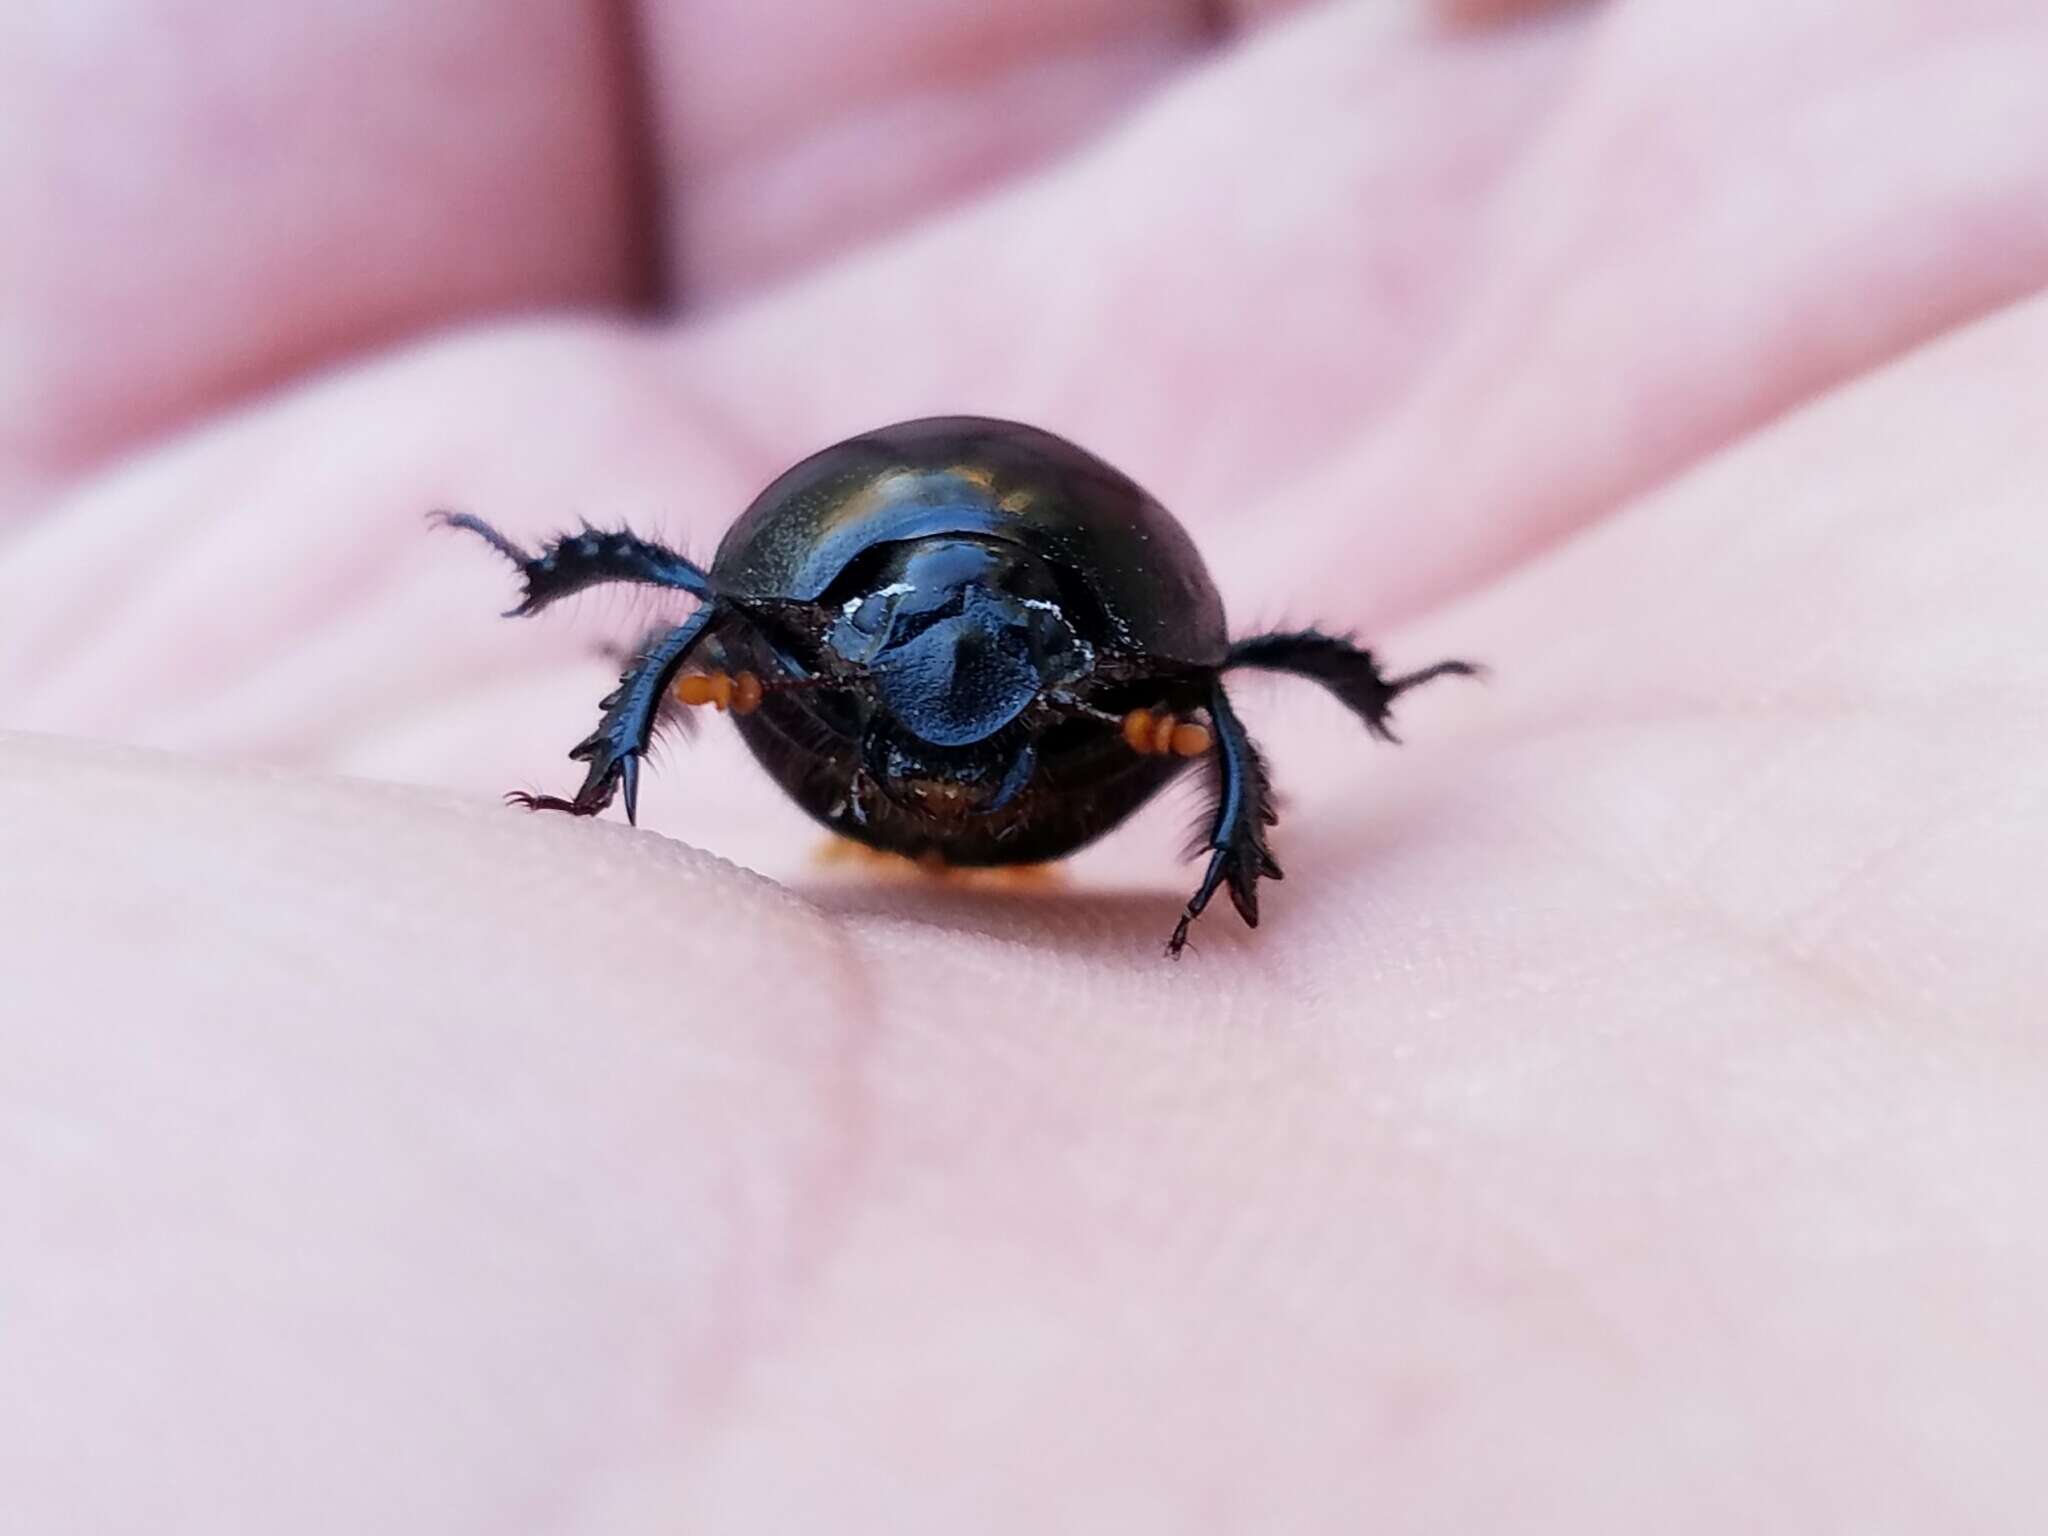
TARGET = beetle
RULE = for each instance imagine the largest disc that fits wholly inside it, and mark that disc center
(959, 639)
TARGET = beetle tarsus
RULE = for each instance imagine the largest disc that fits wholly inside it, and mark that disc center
(1239, 858)
(1349, 671)
(527, 800)
(587, 558)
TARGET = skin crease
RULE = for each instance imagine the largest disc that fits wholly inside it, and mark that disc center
(1629, 1115)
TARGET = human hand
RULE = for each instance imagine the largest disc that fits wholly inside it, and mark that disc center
(1627, 1115)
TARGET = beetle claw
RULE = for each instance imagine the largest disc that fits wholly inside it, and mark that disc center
(526, 800)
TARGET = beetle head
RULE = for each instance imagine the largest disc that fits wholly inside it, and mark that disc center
(958, 636)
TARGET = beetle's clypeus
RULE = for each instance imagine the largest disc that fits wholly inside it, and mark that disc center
(959, 639)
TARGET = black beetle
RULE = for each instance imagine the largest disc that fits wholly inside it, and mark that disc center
(957, 638)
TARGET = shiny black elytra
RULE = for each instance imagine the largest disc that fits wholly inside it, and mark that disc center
(960, 638)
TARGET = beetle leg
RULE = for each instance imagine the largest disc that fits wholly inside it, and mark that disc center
(577, 560)
(1236, 834)
(1349, 671)
(1022, 766)
(670, 713)
(623, 732)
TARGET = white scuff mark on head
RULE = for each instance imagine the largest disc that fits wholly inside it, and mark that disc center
(1045, 603)
(895, 589)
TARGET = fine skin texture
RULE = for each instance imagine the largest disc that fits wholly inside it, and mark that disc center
(1630, 1114)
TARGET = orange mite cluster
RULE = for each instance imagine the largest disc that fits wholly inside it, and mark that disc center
(1155, 733)
(739, 692)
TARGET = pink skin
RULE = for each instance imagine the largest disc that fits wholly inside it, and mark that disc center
(1633, 1111)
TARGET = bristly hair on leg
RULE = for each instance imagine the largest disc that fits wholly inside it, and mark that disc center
(1239, 856)
(613, 750)
(1201, 820)
(574, 561)
(1344, 667)
(670, 717)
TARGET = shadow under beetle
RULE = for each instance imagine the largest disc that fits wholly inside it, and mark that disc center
(960, 639)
